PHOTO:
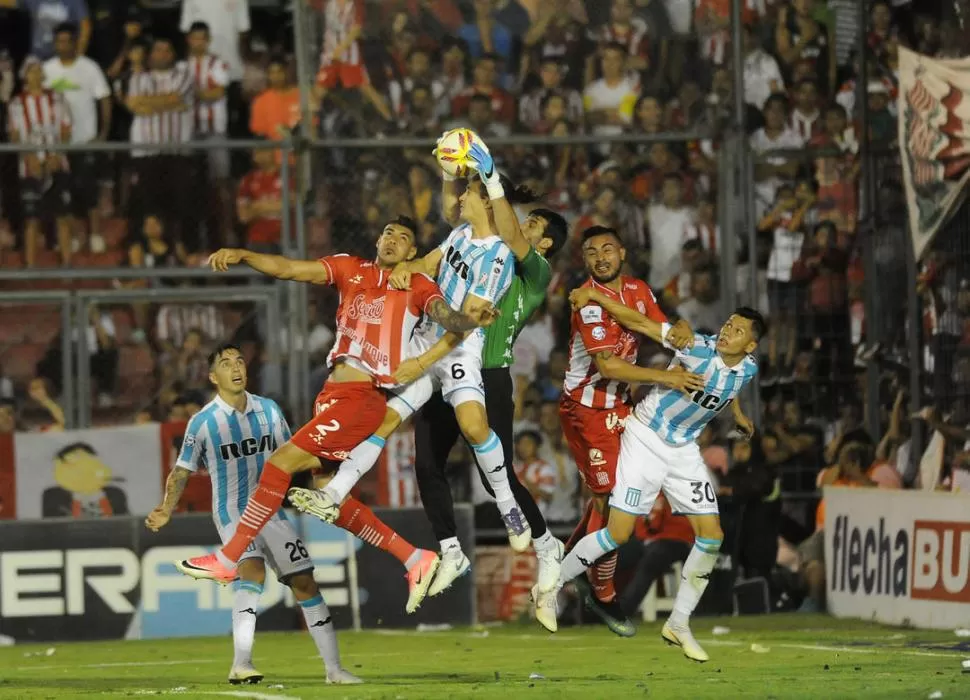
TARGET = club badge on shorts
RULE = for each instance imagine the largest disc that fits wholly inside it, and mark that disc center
(632, 497)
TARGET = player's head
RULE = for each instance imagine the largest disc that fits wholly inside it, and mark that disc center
(227, 369)
(474, 205)
(397, 242)
(65, 40)
(545, 230)
(741, 332)
(79, 469)
(603, 253)
(198, 38)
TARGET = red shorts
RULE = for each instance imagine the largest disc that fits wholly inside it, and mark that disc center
(347, 74)
(593, 435)
(345, 414)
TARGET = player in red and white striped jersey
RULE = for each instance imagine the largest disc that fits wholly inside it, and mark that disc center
(374, 326)
(595, 398)
(39, 117)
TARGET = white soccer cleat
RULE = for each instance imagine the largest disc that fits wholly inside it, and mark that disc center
(342, 676)
(550, 565)
(314, 502)
(520, 534)
(682, 637)
(546, 608)
(244, 673)
(454, 565)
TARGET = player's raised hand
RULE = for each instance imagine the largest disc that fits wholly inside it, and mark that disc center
(408, 371)
(222, 259)
(400, 277)
(681, 335)
(158, 518)
(680, 379)
(479, 155)
(484, 315)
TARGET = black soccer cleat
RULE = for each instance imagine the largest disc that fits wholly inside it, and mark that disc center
(610, 613)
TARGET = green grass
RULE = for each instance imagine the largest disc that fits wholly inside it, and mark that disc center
(807, 657)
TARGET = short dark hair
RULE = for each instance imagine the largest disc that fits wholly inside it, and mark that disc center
(758, 324)
(74, 447)
(556, 228)
(856, 453)
(528, 433)
(517, 194)
(66, 28)
(200, 27)
(407, 222)
(278, 59)
(217, 353)
(776, 98)
(594, 231)
(478, 97)
(614, 46)
(493, 57)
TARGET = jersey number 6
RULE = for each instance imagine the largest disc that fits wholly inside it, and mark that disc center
(707, 401)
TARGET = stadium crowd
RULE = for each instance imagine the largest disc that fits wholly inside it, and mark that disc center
(155, 72)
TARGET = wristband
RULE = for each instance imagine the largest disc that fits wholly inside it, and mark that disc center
(447, 177)
(493, 186)
(664, 330)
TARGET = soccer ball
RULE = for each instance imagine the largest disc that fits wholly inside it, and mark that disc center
(452, 152)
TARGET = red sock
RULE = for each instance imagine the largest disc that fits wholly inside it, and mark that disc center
(263, 505)
(601, 574)
(360, 520)
(580, 531)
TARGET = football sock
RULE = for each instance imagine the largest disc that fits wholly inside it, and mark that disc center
(585, 554)
(358, 463)
(320, 626)
(491, 460)
(263, 505)
(693, 579)
(544, 542)
(360, 520)
(600, 575)
(450, 543)
(244, 607)
(580, 531)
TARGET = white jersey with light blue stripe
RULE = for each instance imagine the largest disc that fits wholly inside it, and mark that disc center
(483, 267)
(678, 418)
(233, 447)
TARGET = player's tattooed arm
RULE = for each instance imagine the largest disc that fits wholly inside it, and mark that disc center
(277, 266)
(174, 486)
(458, 322)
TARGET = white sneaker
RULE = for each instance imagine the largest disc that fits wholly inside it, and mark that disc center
(550, 564)
(454, 565)
(244, 673)
(682, 637)
(520, 534)
(342, 676)
(546, 609)
(314, 502)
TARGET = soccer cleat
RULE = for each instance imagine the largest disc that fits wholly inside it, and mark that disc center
(206, 567)
(342, 676)
(419, 579)
(314, 502)
(244, 673)
(520, 534)
(682, 637)
(611, 613)
(546, 608)
(550, 565)
(454, 565)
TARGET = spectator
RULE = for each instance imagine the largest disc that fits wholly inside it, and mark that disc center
(420, 114)
(485, 83)
(116, 24)
(151, 248)
(480, 118)
(102, 346)
(703, 310)
(705, 228)
(557, 33)
(418, 73)
(649, 116)
(837, 174)
(531, 110)
(259, 202)
(176, 320)
(805, 116)
(537, 475)
(771, 172)
(186, 367)
(40, 117)
(667, 222)
(484, 34)
(610, 100)
(454, 54)
(762, 76)
(276, 111)
(799, 37)
(45, 18)
(425, 195)
(629, 31)
(692, 258)
(564, 506)
(86, 92)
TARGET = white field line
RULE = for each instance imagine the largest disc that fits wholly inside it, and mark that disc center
(847, 650)
(116, 664)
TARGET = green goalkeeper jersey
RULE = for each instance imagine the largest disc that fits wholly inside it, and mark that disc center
(528, 289)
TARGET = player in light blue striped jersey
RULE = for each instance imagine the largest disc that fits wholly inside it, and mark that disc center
(232, 436)
(658, 450)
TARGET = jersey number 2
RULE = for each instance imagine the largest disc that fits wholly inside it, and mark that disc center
(707, 401)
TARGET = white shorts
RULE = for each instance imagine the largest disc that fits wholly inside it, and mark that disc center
(458, 377)
(278, 544)
(648, 464)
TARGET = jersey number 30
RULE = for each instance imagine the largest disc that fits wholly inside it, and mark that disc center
(707, 401)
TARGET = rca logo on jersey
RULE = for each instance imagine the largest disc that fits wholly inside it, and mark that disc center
(368, 312)
(247, 447)
(596, 457)
(453, 258)
(930, 563)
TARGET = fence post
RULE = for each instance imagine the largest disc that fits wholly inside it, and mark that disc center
(83, 361)
(69, 394)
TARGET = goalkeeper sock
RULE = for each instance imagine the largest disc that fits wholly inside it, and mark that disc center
(358, 463)
(320, 626)
(694, 579)
(244, 607)
(586, 552)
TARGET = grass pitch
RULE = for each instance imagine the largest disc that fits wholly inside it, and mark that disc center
(781, 656)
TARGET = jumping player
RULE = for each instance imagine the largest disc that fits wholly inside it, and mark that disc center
(215, 438)
(473, 267)
(374, 326)
(595, 400)
(659, 451)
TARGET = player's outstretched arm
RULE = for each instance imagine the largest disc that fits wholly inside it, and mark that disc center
(174, 486)
(612, 367)
(428, 265)
(506, 220)
(679, 335)
(273, 265)
(744, 424)
(477, 316)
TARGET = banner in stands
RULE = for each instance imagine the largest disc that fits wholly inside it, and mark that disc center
(933, 141)
(65, 579)
(898, 557)
(88, 473)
